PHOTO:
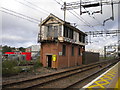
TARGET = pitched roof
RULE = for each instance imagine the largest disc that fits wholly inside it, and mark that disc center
(61, 21)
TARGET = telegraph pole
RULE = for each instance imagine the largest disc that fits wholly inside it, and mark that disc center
(105, 52)
(80, 7)
(64, 10)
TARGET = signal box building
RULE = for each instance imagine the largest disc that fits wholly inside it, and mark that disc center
(61, 43)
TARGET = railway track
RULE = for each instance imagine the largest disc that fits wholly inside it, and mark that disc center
(72, 85)
(45, 80)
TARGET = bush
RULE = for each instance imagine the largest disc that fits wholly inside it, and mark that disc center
(8, 68)
(12, 71)
(37, 64)
(9, 64)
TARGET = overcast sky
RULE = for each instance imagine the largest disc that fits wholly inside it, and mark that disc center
(19, 32)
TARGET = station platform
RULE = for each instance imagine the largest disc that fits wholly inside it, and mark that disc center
(108, 80)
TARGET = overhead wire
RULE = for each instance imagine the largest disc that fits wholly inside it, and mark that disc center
(88, 24)
(80, 18)
(31, 7)
(36, 6)
(20, 14)
(93, 17)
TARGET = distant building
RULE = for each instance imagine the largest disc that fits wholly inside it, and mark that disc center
(34, 49)
(18, 55)
(61, 43)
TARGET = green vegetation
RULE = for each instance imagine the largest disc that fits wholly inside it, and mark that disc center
(10, 49)
(8, 68)
(107, 58)
(6, 49)
(37, 64)
(13, 67)
(24, 62)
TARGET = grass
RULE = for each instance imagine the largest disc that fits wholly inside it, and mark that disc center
(107, 58)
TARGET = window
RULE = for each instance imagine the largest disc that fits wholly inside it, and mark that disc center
(71, 34)
(55, 31)
(68, 32)
(49, 31)
(60, 30)
(83, 38)
(80, 37)
(64, 50)
(79, 54)
(65, 31)
(72, 53)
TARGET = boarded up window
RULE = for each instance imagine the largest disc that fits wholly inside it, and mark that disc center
(64, 50)
(72, 51)
(79, 52)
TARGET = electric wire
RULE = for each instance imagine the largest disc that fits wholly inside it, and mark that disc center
(80, 18)
(93, 17)
(18, 16)
(36, 6)
(31, 7)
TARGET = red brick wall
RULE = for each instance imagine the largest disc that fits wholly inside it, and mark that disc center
(48, 49)
(62, 61)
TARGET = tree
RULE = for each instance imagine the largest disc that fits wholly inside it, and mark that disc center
(22, 49)
(6, 49)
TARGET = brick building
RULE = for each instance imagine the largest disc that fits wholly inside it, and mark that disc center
(61, 43)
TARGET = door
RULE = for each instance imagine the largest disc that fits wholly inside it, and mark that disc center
(49, 58)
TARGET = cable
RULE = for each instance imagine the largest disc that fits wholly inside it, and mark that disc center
(96, 19)
(77, 16)
(20, 14)
(58, 2)
(36, 6)
(85, 21)
(30, 6)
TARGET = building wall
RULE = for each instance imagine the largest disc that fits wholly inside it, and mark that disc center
(62, 61)
(48, 49)
(90, 57)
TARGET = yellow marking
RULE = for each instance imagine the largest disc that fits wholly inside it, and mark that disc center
(107, 77)
(106, 82)
(118, 84)
(104, 78)
(110, 74)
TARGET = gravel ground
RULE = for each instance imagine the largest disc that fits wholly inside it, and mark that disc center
(45, 71)
(67, 81)
(28, 75)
